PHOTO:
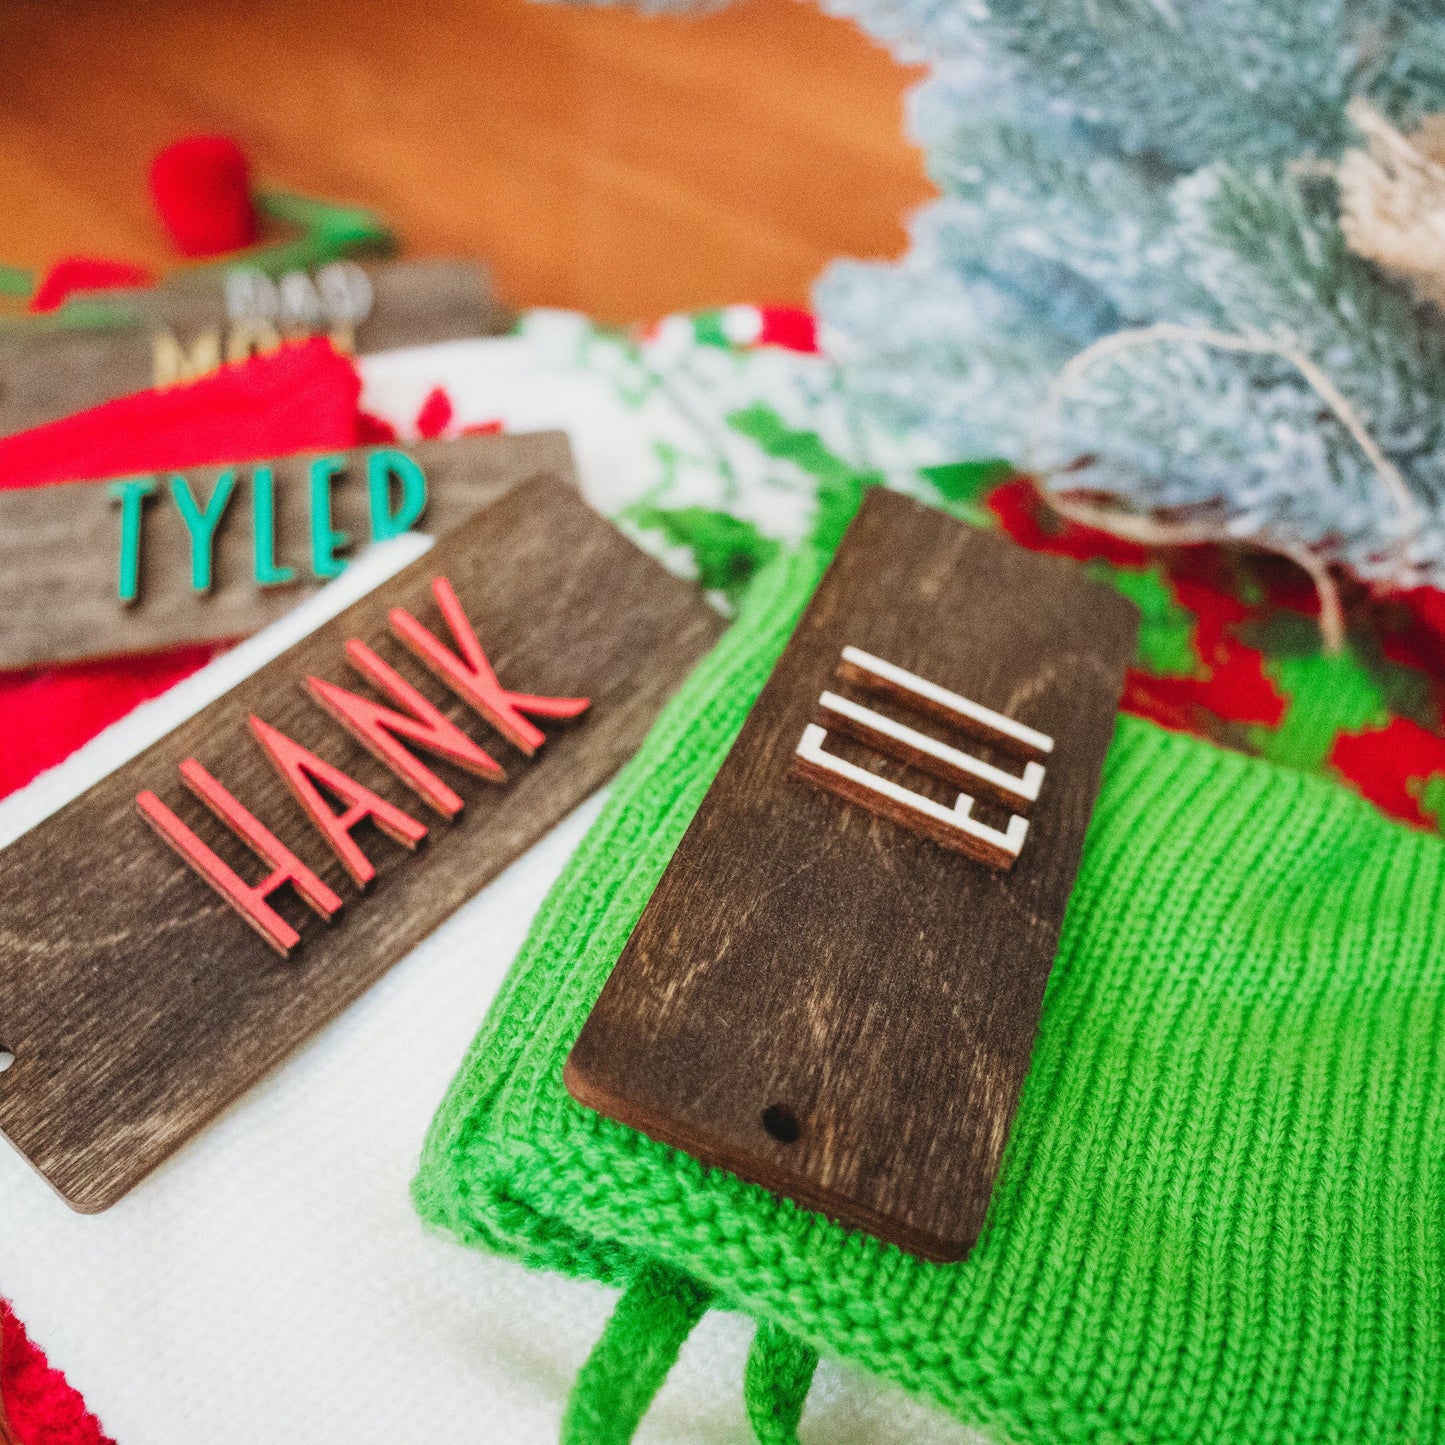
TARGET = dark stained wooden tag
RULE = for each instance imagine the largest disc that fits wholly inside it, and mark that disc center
(834, 990)
(135, 999)
(273, 536)
(162, 335)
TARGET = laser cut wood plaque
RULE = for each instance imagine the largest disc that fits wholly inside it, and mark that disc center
(60, 546)
(136, 1000)
(820, 996)
(165, 333)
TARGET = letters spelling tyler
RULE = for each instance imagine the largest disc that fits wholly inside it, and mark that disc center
(384, 467)
(379, 729)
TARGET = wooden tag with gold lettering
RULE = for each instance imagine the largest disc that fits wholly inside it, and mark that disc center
(834, 990)
(159, 336)
(176, 931)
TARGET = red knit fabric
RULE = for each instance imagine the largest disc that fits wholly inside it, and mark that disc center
(299, 398)
(40, 1404)
(201, 187)
(303, 395)
(84, 273)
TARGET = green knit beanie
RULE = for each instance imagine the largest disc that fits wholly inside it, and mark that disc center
(1219, 1216)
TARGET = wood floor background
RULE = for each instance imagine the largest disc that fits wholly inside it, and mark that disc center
(623, 164)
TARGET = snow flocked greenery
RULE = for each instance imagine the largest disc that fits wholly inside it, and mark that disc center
(1111, 164)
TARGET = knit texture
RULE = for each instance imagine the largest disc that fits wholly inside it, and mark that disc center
(637, 1349)
(41, 1406)
(1218, 1214)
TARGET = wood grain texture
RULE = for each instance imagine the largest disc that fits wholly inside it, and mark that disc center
(137, 1004)
(597, 158)
(815, 997)
(48, 372)
(60, 547)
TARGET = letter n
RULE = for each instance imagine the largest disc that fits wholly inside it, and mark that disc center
(470, 676)
(377, 728)
(250, 901)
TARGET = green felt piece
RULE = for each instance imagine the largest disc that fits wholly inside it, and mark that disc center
(1328, 694)
(728, 550)
(1166, 630)
(17, 281)
(1218, 1218)
(329, 232)
(962, 486)
(707, 328)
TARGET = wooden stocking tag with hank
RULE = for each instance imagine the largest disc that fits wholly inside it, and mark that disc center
(834, 990)
(177, 930)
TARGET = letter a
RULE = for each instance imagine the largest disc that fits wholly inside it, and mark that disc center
(373, 726)
(298, 767)
(249, 901)
(470, 676)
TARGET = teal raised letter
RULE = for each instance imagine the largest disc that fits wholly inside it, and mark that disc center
(132, 493)
(324, 539)
(263, 531)
(202, 524)
(381, 466)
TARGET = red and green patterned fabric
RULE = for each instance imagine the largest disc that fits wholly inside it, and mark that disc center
(1230, 649)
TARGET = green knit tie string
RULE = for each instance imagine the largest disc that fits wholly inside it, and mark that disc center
(631, 1359)
(775, 1385)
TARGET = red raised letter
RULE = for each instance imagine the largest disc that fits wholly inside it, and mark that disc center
(250, 902)
(471, 677)
(372, 725)
(298, 766)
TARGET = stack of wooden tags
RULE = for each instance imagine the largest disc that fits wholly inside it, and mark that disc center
(179, 928)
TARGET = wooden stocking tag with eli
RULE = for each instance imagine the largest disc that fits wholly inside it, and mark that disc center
(181, 927)
(834, 990)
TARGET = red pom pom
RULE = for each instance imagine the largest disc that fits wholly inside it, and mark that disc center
(202, 193)
(84, 273)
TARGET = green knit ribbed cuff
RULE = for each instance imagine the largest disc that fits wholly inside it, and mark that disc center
(1219, 1215)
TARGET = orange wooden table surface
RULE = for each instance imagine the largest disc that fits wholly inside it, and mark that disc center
(599, 159)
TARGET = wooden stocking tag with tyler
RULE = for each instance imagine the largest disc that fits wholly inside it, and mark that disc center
(181, 927)
(834, 990)
(137, 564)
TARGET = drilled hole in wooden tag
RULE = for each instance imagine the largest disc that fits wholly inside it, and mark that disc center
(782, 1124)
(828, 998)
(6, 1059)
